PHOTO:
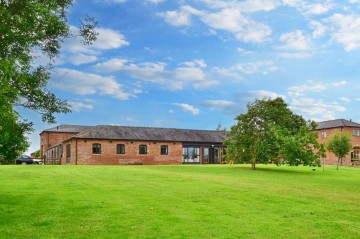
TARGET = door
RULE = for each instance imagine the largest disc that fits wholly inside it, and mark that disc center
(68, 153)
(211, 155)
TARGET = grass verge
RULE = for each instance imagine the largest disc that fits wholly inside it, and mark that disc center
(182, 201)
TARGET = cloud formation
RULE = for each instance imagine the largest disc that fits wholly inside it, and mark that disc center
(189, 108)
(82, 83)
(190, 73)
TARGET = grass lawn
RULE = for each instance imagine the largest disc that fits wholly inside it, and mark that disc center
(182, 201)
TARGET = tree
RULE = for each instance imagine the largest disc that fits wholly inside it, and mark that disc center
(340, 145)
(219, 127)
(12, 135)
(36, 154)
(26, 26)
(301, 148)
(268, 132)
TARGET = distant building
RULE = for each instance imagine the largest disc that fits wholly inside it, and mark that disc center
(328, 128)
(114, 145)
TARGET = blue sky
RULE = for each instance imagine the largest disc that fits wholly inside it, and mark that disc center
(193, 64)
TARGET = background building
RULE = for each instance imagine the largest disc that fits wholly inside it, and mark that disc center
(328, 128)
(105, 144)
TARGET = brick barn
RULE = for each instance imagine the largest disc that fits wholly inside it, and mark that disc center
(328, 128)
(116, 145)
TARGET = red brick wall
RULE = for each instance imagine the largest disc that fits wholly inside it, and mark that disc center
(331, 158)
(50, 139)
(109, 156)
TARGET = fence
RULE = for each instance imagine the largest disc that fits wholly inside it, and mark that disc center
(7, 162)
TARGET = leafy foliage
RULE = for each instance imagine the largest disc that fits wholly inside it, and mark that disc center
(340, 145)
(24, 27)
(271, 132)
(12, 135)
(301, 148)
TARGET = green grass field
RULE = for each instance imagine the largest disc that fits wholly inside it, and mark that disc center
(183, 201)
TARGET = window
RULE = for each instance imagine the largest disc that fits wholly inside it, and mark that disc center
(355, 155)
(120, 149)
(356, 132)
(323, 134)
(96, 148)
(164, 150)
(191, 154)
(143, 149)
(206, 155)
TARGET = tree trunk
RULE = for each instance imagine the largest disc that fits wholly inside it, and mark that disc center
(338, 162)
(253, 163)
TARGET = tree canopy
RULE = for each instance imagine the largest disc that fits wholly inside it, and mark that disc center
(271, 132)
(26, 26)
(340, 145)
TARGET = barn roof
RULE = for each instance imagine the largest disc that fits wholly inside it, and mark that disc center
(64, 128)
(337, 124)
(152, 134)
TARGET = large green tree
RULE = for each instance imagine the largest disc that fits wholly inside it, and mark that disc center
(269, 132)
(340, 145)
(27, 26)
(299, 148)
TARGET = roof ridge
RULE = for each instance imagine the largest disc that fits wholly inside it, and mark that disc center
(151, 127)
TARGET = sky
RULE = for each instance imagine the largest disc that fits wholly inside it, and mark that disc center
(196, 63)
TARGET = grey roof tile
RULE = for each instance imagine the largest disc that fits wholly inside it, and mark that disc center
(152, 134)
(337, 124)
(68, 128)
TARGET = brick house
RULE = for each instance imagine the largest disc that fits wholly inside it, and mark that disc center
(114, 145)
(327, 128)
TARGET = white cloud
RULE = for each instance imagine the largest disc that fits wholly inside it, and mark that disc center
(244, 28)
(110, 1)
(260, 94)
(262, 67)
(79, 106)
(339, 83)
(258, 5)
(76, 53)
(88, 84)
(299, 90)
(226, 106)
(345, 99)
(243, 51)
(296, 40)
(345, 30)
(320, 29)
(245, 6)
(309, 108)
(310, 7)
(188, 108)
(106, 40)
(219, 104)
(155, 1)
(190, 73)
(80, 59)
(182, 17)
(294, 55)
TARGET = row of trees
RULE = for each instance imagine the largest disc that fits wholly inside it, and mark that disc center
(25, 27)
(271, 133)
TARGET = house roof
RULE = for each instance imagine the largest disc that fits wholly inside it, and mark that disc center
(152, 134)
(336, 124)
(68, 128)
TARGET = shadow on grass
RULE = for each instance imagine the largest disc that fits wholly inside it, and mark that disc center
(281, 169)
